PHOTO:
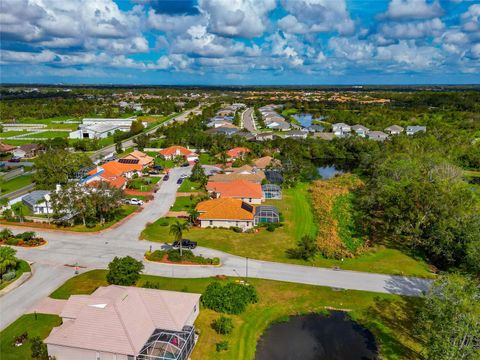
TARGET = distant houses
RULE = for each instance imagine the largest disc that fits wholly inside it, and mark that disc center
(172, 152)
(360, 130)
(341, 129)
(412, 130)
(394, 130)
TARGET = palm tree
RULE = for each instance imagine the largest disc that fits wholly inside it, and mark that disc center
(193, 215)
(177, 229)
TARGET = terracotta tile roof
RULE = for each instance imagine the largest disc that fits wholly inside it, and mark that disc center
(237, 152)
(6, 147)
(143, 158)
(236, 189)
(255, 178)
(263, 162)
(120, 319)
(117, 169)
(114, 180)
(225, 209)
(176, 150)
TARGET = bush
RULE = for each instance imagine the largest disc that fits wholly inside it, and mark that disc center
(124, 271)
(232, 298)
(5, 234)
(223, 325)
(306, 249)
(157, 255)
(151, 285)
(12, 241)
(9, 276)
(39, 349)
(236, 229)
(271, 227)
(26, 236)
(221, 346)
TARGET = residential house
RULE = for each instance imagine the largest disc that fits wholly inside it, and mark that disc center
(27, 151)
(237, 153)
(172, 152)
(5, 148)
(225, 213)
(341, 129)
(38, 202)
(316, 128)
(126, 323)
(265, 136)
(412, 130)
(245, 172)
(264, 162)
(279, 125)
(114, 172)
(142, 158)
(246, 191)
(394, 130)
(225, 112)
(296, 134)
(360, 130)
(377, 135)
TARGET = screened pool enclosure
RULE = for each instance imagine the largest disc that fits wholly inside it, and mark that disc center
(272, 191)
(266, 214)
(169, 345)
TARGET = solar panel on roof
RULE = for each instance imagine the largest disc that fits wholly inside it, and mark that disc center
(128, 161)
(247, 207)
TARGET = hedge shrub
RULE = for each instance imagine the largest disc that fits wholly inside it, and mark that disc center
(223, 325)
(232, 298)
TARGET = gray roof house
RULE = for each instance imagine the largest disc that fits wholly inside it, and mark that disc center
(360, 130)
(123, 323)
(37, 203)
(316, 128)
(341, 129)
(412, 130)
(377, 135)
(394, 130)
(279, 125)
(296, 134)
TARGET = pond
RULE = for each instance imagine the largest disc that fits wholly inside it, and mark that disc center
(317, 337)
(328, 172)
(304, 119)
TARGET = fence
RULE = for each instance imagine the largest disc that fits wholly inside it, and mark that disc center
(12, 174)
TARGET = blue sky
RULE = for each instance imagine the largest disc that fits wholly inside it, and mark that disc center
(221, 42)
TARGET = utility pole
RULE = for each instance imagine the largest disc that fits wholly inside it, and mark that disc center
(246, 268)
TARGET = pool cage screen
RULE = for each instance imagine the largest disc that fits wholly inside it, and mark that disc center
(266, 214)
(272, 191)
(169, 345)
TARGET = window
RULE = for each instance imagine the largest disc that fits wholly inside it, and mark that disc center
(97, 356)
(195, 308)
(130, 357)
(236, 223)
(211, 222)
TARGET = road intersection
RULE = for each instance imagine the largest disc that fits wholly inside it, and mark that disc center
(52, 262)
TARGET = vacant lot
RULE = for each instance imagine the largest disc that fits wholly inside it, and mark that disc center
(389, 317)
(49, 135)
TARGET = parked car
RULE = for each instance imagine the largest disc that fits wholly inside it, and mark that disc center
(179, 181)
(153, 172)
(14, 159)
(157, 167)
(185, 164)
(166, 177)
(183, 176)
(186, 244)
(135, 201)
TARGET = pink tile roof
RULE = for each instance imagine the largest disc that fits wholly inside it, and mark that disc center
(120, 319)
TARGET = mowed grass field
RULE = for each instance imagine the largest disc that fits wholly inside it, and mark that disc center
(41, 327)
(48, 135)
(389, 317)
(271, 246)
(15, 183)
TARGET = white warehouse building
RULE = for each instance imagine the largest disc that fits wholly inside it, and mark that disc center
(94, 128)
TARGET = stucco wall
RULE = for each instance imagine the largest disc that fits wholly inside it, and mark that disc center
(226, 223)
(66, 353)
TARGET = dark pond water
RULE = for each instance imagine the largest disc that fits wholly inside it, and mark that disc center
(304, 119)
(328, 172)
(317, 337)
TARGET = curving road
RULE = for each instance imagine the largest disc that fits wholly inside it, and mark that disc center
(95, 251)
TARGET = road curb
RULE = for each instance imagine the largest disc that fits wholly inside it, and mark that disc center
(17, 283)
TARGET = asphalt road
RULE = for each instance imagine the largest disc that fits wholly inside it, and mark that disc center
(95, 251)
(248, 121)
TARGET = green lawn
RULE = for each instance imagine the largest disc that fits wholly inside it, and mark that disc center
(299, 221)
(15, 183)
(121, 214)
(22, 267)
(184, 203)
(188, 186)
(49, 135)
(7, 134)
(40, 327)
(143, 183)
(207, 159)
(389, 317)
